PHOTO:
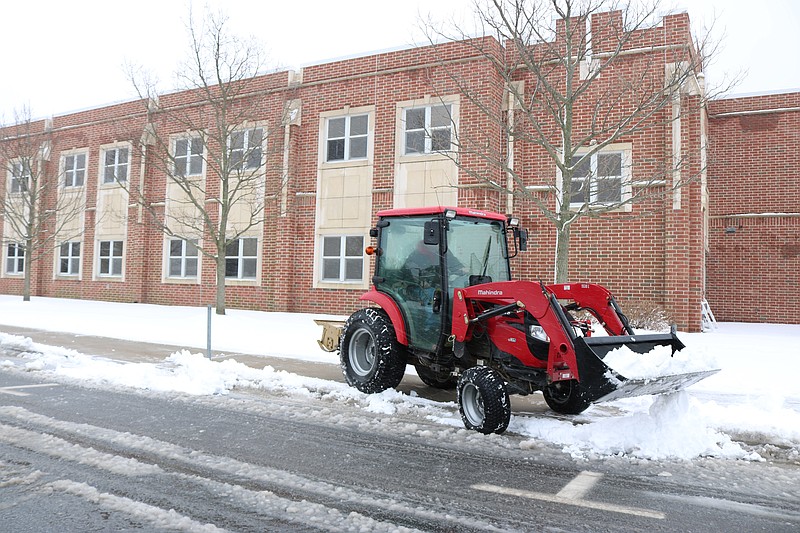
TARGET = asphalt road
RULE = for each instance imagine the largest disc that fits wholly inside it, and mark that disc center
(75, 458)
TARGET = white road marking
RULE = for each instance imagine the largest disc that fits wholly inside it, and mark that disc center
(572, 494)
(580, 486)
(14, 390)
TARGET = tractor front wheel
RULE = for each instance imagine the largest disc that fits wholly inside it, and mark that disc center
(566, 397)
(483, 400)
(371, 358)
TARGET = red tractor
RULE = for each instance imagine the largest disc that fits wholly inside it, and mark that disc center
(448, 306)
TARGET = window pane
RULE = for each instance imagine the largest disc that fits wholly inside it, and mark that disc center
(78, 179)
(65, 249)
(232, 267)
(254, 157)
(358, 147)
(330, 269)
(105, 248)
(353, 246)
(336, 150)
(358, 125)
(196, 165)
(353, 269)
(584, 169)
(440, 116)
(415, 119)
(76, 248)
(180, 147)
(232, 249)
(197, 146)
(111, 157)
(579, 192)
(331, 246)
(174, 267)
(123, 156)
(336, 128)
(250, 247)
(248, 268)
(237, 140)
(415, 142)
(609, 190)
(64, 268)
(609, 164)
(440, 140)
(117, 266)
(104, 266)
(75, 264)
(180, 166)
(175, 247)
(191, 267)
(191, 248)
(118, 248)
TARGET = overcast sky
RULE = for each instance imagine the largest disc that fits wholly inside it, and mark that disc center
(60, 56)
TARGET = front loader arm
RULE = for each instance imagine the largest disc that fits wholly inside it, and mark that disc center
(597, 300)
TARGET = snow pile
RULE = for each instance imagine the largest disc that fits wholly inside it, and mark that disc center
(658, 362)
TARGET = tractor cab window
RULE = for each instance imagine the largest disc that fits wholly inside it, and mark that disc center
(476, 253)
(411, 274)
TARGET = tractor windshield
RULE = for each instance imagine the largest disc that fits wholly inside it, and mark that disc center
(476, 252)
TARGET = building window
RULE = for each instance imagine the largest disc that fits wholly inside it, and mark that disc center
(245, 152)
(183, 258)
(342, 258)
(110, 258)
(189, 157)
(70, 258)
(74, 170)
(241, 257)
(346, 138)
(428, 129)
(115, 165)
(15, 258)
(20, 177)
(598, 179)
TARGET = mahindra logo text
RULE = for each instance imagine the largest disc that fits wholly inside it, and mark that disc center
(485, 292)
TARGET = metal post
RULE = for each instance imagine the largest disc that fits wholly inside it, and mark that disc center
(208, 337)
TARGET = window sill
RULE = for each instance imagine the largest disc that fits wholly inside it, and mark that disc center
(342, 285)
(434, 156)
(346, 163)
(233, 282)
(180, 281)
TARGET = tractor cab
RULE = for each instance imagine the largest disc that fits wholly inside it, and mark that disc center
(424, 254)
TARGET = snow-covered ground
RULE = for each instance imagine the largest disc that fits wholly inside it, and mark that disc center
(748, 409)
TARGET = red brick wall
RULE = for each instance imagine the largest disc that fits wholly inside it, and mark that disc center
(754, 234)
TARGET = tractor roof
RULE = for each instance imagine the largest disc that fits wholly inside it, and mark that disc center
(437, 210)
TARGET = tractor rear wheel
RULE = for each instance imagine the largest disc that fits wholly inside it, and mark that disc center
(438, 380)
(566, 397)
(483, 400)
(371, 358)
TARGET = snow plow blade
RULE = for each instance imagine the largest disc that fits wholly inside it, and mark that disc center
(602, 384)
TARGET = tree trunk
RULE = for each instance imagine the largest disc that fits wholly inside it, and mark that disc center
(221, 282)
(562, 253)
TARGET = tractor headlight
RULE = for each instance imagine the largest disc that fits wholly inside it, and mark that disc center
(538, 332)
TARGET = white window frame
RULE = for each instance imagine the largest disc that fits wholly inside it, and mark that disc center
(428, 129)
(72, 258)
(19, 180)
(342, 257)
(247, 149)
(112, 258)
(74, 175)
(185, 258)
(624, 150)
(242, 259)
(116, 165)
(188, 155)
(15, 263)
(347, 137)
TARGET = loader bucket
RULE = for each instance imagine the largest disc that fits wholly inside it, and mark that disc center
(600, 383)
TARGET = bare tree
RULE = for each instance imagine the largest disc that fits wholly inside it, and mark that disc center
(579, 78)
(209, 141)
(37, 210)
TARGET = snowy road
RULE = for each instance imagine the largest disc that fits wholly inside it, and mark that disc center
(76, 458)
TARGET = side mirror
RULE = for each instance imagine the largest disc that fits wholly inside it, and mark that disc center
(432, 232)
(523, 240)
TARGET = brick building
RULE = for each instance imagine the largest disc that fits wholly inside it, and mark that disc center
(362, 136)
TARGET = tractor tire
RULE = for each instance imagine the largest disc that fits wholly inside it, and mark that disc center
(371, 358)
(434, 379)
(483, 400)
(566, 397)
